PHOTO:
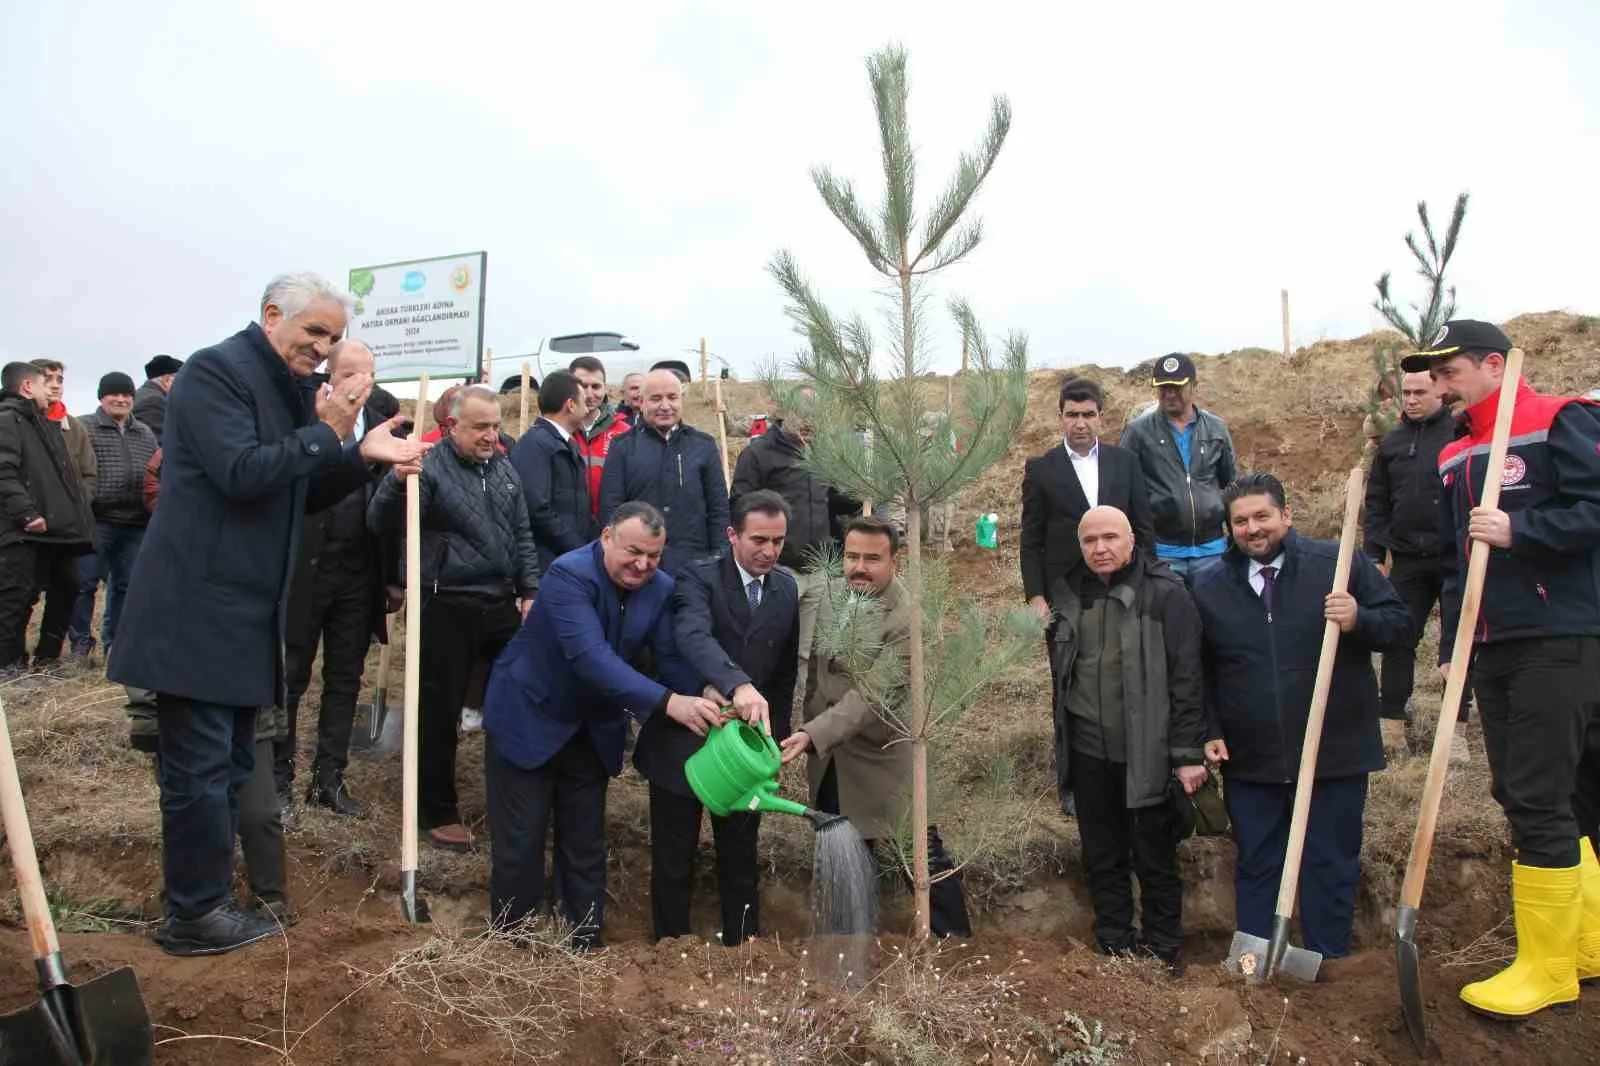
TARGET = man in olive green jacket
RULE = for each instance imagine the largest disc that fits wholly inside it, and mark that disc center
(856, 768)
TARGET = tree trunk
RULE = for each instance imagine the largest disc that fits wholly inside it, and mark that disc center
(918, 723)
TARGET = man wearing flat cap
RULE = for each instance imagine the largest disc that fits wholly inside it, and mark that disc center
(1187, 458)
(1536, 652)
(150, 402)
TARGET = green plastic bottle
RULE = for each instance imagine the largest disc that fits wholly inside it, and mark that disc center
(988, 530)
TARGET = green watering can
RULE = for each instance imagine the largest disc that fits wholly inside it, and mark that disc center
(737, 770)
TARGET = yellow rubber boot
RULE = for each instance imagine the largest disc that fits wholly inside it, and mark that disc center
(1545, 973)
(1589, 905)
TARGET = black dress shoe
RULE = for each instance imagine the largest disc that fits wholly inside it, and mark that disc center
(330, 794)
(218, 932)
(276, 911)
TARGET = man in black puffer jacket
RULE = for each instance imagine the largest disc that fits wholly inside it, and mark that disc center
(480, 571)
(45, 522)
(674, 467)
(1402, 536)
(1263, 610)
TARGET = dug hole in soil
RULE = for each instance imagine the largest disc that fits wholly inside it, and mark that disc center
(352, 983)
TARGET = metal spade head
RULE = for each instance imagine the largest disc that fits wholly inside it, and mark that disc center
(1408, 969)
(102, 1022)
(1252, 957)
(412, 905)
(382, 735)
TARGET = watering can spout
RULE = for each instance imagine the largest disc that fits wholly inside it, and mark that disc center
(766, 799)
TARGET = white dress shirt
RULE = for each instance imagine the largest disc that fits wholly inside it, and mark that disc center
(1256, 580)
(559, 428)
(1087, 467)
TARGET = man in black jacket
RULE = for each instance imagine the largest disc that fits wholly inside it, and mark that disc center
(150, 401)
(338, 601)
(1125, 616)
(1402, 536)
(1263, 611)
(1058, 489)
(1187, 457)
(674, 467)
(480, 571)
(772, 462)
(736, 624)
(46, 524)
(249, 449)
(555, 479)
(123, 447)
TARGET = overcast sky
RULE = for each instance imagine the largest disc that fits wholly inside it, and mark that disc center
(634, 166)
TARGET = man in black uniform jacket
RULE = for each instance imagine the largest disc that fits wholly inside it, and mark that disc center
(738, 625)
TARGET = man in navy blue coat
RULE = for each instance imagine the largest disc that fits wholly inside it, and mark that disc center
(738, 625)
(555, 714)
(674, 467)
(555, 477)
(1264, 606)
(248, 449)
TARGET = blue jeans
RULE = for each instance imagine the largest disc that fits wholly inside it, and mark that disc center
(207, 752)
(116, 546)
(1185, 568)
(1330, 867)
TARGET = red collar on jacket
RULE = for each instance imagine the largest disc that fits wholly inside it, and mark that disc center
(56, 411)
(1533, 413)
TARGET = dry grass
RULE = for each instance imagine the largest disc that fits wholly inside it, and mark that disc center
(525, 989)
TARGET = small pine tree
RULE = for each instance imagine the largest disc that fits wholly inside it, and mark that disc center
(1419, 328)
(955, 652)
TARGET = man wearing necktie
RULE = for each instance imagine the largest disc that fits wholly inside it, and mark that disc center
(1263, 610)
(738, 625)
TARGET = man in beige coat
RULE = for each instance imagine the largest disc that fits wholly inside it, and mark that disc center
(856, 768)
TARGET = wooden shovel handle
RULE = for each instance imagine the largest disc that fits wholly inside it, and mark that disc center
(24, 859)
(722, 432)
(1466, 627)
(1289, 886)
(410, 737)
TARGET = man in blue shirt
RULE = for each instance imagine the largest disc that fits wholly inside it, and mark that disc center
(1187, 457)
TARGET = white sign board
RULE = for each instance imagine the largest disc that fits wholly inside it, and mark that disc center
(422, 315)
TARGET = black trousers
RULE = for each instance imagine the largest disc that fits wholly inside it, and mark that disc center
(674, 836)
(947, 900)
(1539, 698)
(1120, 843)
(570, 791)
(207, 754)
(18, 586)
(1417, 580)
(55, 572)
(457, 631)
(339, 617)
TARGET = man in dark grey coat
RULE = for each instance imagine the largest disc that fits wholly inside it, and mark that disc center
(247, 450)
(480, 571)
(1129, 716)
(150, 401)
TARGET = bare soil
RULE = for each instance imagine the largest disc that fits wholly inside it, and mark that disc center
(352, 983)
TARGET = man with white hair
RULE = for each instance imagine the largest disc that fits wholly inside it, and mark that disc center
(248, 448)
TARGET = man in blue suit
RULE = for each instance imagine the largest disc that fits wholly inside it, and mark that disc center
(555, 714)
(738, 625)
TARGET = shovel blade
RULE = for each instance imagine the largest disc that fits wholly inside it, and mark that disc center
(385, 729)
(1408, 969)
(1254, 958)
(103, 1022)
(412, 905)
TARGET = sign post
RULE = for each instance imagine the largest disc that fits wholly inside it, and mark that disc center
(422, 316)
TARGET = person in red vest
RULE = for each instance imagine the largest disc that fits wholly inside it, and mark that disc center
(603, 424)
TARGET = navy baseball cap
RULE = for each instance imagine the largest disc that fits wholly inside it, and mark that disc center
(1458, 335)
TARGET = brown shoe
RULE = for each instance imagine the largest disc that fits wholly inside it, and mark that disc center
(454, 837)
(1394, 738)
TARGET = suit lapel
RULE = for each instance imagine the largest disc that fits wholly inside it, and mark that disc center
(1069, 477)
(738, 598)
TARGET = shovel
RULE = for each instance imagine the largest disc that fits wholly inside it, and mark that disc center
(1408, 963)
(1257, 959)
(413, 906)
(102, 1022)
(380, 738)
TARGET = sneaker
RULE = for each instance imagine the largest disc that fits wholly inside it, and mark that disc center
(471, 719)
(328, 792)
(225, 929)
(1460, 753)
